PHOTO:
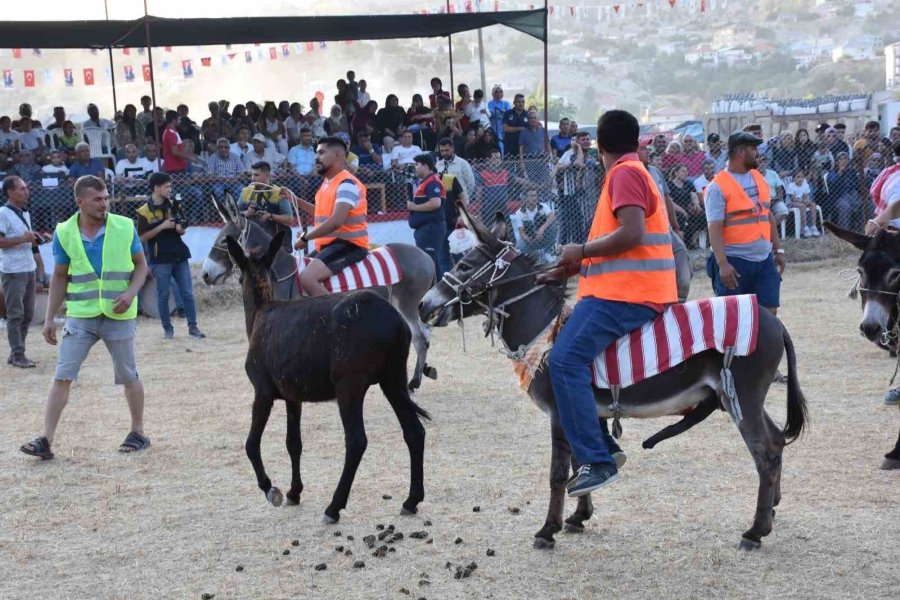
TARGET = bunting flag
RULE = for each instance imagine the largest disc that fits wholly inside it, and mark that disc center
(148, 74)
(7, 78)
(616, 6)
(496, 5)
(48, 76)
(223, 60)
(248, 57)
(28, 78)
(469, 7)
(298, 48)
(228, 46)
(206, 61)
(17, 53)
(231, 55)
(142, 51)
(126, 51)
(284, 50)
(165, 65)
(671, 3)
(273, 53)
(260, 55)
(88, 76)
(37, 52)
(129, 73)
(323, 44)
(69, 77)
(107, 74)
(168, 48)
(186, 69)
(310, 46)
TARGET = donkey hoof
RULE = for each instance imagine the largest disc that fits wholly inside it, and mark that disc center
(748, 544)
(289, 501)
(429, 372)
(890, 464)
(274, 496)
(329, 520)
(573, 528)
(408, 512)
(544, 544)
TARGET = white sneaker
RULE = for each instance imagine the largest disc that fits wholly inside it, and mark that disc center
(807, 232)
(815, 231)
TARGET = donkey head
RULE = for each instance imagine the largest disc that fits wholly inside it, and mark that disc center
(218, 264)
(879, 279)
(487, 263)
(256, 276)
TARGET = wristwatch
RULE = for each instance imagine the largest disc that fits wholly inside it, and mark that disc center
(779, 251)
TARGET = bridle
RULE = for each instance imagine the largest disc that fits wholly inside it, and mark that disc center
(476, 289)
(242, 240)
(888, 337)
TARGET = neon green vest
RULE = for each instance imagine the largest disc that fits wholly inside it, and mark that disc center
(89, 296)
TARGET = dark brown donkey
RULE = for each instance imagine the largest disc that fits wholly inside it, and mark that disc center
(879, 291)
(320, 349)
(522, 310)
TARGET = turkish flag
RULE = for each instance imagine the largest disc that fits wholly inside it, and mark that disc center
(616, 7)
(168, 48)
(88, 76)
(29, 78)
(496, 5)
(273, 53)
(17, 53)
(206, 62)
(310, 46)
(672, 3)
(469, 6)
(126, 51)
(146, 70)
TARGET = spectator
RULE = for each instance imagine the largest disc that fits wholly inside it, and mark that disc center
(146, 115)
(560, 142)
(302, 157)
(805, 149)
(362, 96)
(94, 121)
(184, 112)
(799, 197)
(497, 109)
(84, 164)
(894, 136)
(175, 158)
(254, 112)
(17, 268)
(705, 178)
(660, 143)
(56, 169)
(716, 153)
(462, 105)
(69, 139)
(265, 204)
(240, 119)
(873, 169)
(353, 87)
(477, 110)
(284, 110)
(152, 163)
(454, 193)
(223, 109)
(533, 139)
(189, 133)
(215, 126)
(271, 126)
(437, 90)
(161, 226)
(131, 167)
(865, 147)
(390, 119)
(129, 129)
(405, 153)
(262, 152)
(30, 139)
(451, 130)
(420, 120)
(336, 123)
(570, 172)
(451, 163)
(843, 192)
(823, 156)
(835, 145)
(242, 146)
(692, 157)
(295, 121)
(227, 168)
(492, 191)
(776, 186)
(426, 213)
(9, 139)
(535, 234)
(314, 119)
(364, 119)
(784, 155)
(25, 114)
(484, 146)
(515, 121)
(672, 157)
(368, 152)
(59, 117)
(840, 131)
(691, 217)
(157, 125)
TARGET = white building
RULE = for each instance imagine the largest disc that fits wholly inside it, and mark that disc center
(859, 48)
(892, 66)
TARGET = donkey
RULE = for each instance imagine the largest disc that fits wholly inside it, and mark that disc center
(418, 276)
(879, 291)
(528, 309)
(319, 349)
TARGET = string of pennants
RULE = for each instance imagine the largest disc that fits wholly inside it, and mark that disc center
(256, 53)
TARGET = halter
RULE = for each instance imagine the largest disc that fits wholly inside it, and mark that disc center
(470, 290)
(242, 240)
(888, 337)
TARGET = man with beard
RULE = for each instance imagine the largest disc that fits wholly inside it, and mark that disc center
(746, 256)
(340, 233)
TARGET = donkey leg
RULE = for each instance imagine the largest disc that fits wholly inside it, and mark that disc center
(262, 408)
(778, 437)
(350, 395)
(559, 475)
(420, 343)
(767, 456)
(413, 435)
(892, 458)
(295, 448)
(583, 512)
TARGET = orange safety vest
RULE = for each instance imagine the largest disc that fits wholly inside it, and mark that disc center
(645, 273)
(745, 221)
(354, 229)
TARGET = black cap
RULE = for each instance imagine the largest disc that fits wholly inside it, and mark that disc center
(743, 138)
(822, 128)
(713, 137)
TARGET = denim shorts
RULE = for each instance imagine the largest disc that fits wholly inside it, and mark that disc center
(80, 335)
(760, 278)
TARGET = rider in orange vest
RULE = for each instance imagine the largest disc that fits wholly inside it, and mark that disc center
(627, 277)
(340, 234)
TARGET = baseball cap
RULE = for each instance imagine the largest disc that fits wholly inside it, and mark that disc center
(743, 138)
(259, 138)
(713, 137)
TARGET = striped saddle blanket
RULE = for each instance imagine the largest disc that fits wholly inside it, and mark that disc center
(679, 333)
(380, 267)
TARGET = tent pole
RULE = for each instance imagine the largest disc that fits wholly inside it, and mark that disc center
(152, 87)
(481, 57)
(546, 90)
(450, 50)
(112, 70)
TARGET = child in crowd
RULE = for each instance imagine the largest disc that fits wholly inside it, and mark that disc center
(799, 197)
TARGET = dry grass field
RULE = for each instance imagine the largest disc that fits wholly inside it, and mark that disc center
(178, 520)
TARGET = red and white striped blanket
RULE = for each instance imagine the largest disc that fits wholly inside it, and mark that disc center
(380, 267)
(682, 331)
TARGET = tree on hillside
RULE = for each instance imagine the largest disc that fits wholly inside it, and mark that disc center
(558, 107)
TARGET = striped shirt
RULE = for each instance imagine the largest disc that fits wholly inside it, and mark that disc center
(225, 167)
(348, 193)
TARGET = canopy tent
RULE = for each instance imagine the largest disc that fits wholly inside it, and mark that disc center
(249, 30)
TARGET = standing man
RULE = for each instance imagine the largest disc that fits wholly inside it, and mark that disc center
(515, 120)
(341, 234)
(426, 214)
(627, 278)
(562, 140)
(746, 256)
(175, 158)
(450, 163)
(17, 268)
(100, 268)
(160, 227)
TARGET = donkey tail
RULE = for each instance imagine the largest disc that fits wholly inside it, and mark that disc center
(797, 415)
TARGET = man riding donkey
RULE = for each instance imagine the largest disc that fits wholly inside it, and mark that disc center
(340, 234)
(627, 277)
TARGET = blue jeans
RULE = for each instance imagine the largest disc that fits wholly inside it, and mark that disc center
(760, 278)
(430, 237)
(593, 325)
(180, 272)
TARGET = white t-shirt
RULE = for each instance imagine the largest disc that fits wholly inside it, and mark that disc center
(241, 152)
(475, 114)
(19, 258)
(404, 156)
(794, 192)
(701, 182)
(126, 168)
(31, 140)
(363, 98)
(274, 159)
(151, 166)
(528, 216)
(9, 138)
(291, 127)
(50, 175)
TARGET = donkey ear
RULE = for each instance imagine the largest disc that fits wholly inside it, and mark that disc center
(481, 232)
(232, 207)
(500, 230)
(220, 208)
(851, 237)
(274, 247)
(236, 252)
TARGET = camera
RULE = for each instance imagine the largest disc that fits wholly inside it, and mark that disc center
(176, 210)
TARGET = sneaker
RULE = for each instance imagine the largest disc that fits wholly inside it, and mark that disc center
(892, 397)
(196, 333)
(21, 362)
(168, 334)
(815, 231)
(590, 478)
(807, 232)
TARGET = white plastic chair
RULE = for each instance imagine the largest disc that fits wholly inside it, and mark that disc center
(98, 139)
(795, 214)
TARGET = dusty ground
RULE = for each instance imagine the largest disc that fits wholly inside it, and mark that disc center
(178, 520)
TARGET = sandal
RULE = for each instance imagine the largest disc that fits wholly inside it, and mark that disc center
(134, 442)
(38, 447)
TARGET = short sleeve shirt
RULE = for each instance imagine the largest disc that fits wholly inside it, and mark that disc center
(93, 249)
(170, 140)
(431, 187)
(627, 187)
(18, 259)
(756, 251)
(513, 119)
